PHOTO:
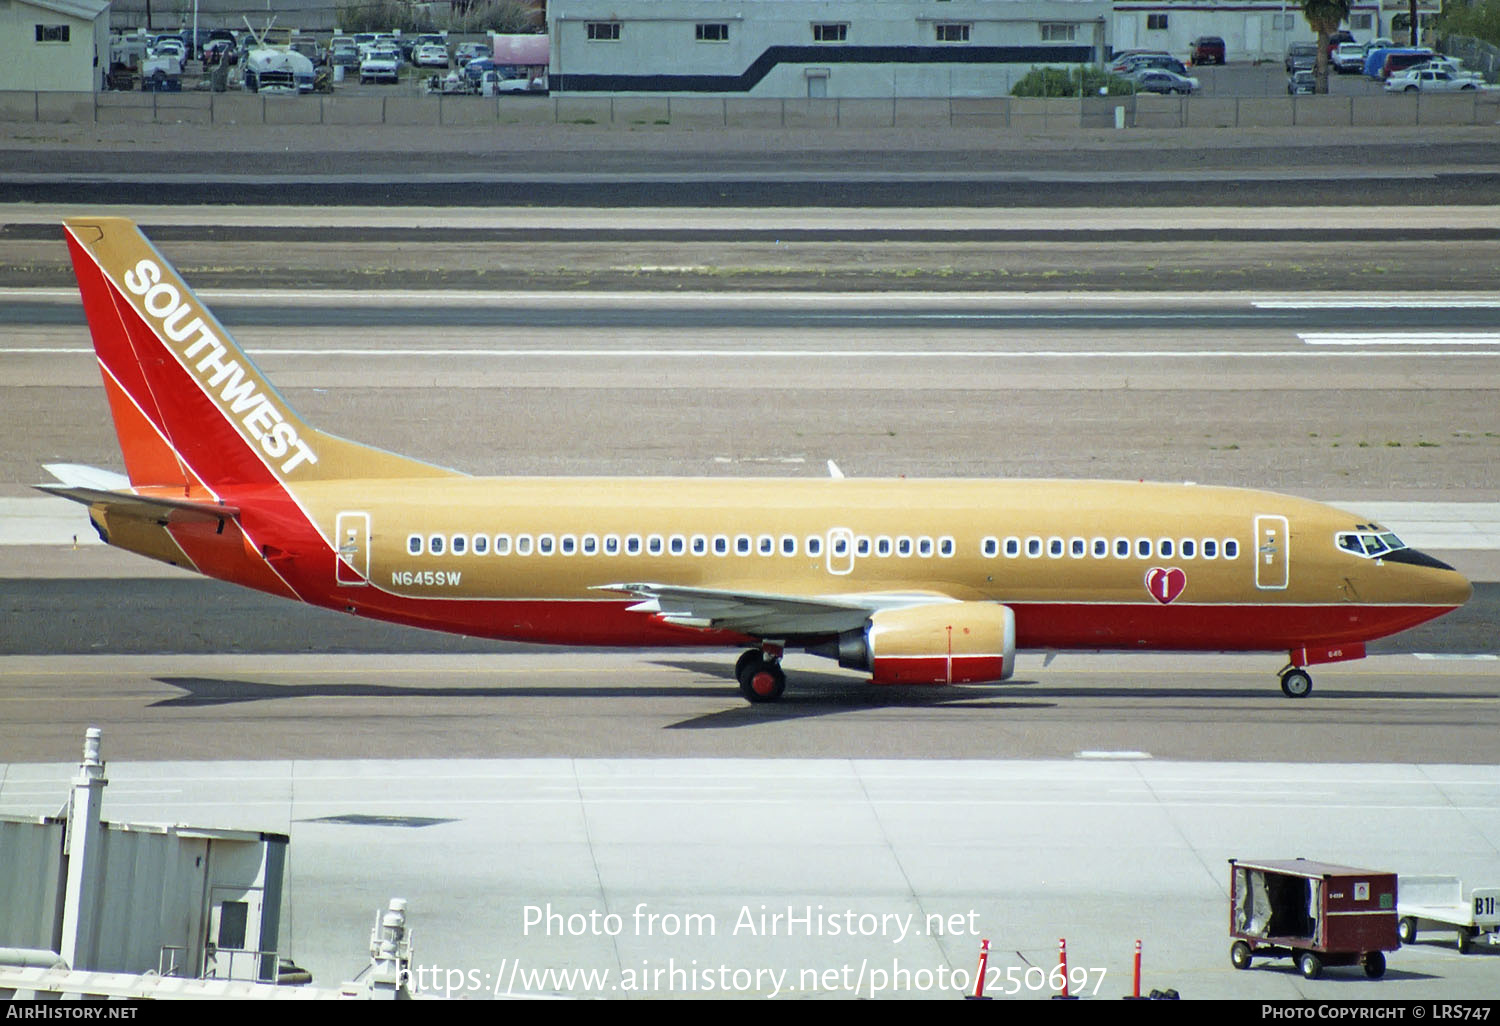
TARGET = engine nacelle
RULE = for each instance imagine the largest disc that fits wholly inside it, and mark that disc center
(942, 643)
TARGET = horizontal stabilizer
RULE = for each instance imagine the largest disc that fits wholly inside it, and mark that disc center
(150, 506)
(79, 475)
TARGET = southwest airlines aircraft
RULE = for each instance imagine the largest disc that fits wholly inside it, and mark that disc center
(913, 582)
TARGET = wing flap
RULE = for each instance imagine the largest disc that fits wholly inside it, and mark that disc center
(762, 614)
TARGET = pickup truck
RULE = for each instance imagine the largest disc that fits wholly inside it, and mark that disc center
(1438, 902)
(1348, 57)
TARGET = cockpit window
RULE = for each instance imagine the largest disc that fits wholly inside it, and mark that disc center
(1370, 543)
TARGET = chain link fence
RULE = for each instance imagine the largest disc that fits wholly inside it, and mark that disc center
(1475, 53)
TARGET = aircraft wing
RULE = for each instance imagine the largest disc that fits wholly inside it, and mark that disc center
(762, 614)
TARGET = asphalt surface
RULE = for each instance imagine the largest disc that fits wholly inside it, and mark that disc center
(955, 317)
(383, 166)
(727, 190)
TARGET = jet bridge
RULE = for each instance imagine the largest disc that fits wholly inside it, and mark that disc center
(105, 897)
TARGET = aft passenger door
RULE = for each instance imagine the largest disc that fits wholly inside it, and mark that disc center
(352, 537)
(1272, 552)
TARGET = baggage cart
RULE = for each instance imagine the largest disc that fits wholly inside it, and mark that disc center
(1438, 903)
(1314, 913)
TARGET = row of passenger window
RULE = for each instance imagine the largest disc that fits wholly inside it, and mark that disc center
(863, 546)
(1122, 548)
(839, 545)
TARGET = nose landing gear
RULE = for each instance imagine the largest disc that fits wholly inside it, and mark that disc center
(1295, 682)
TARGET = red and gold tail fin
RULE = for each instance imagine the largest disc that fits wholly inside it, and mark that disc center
(190, 407)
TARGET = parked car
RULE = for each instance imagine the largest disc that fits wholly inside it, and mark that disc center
(1124, 63)
(1207, 50)
(430, 56)
(1158, 80)
(497, 81)
(1301, 57)
(344, 54)
(475, 69)
(169, 46)
(471, 51)
(1348, 57)
(1140, 62)
(1168, 63)
(1429, 81)
(382, 65)
(1302, 82)
(1452, 65)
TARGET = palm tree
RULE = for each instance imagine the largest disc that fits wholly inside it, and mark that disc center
(1325, 17)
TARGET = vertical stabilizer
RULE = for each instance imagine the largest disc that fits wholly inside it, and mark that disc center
(190, 407)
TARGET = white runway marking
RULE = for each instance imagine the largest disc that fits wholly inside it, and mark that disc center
(1374, 304)
(892, 354)
(1400, 338)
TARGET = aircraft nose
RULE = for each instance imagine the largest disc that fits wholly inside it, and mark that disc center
(1458, 588)
(1441, 584)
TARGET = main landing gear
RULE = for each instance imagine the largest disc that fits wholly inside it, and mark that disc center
(1295, 682)
(760, 674)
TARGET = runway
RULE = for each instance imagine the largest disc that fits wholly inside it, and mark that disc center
(1336, 396)
(1216, 242)
(531, 703)
(494, 777)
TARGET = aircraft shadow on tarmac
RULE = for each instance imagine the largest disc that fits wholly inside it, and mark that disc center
(202, 691)
(824, 694)
(848, 691)
(830, 694)
(815, 694)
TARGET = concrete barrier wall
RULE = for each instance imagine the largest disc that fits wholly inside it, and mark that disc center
(921, 114)
(748, 113)
(353, 110)
(1447, 109)
(1378, 111)
(59, 108)
(1013, 115)
(979, 113)
(1160, 112)
(699, 112)
(290, 110)
(1211, 112)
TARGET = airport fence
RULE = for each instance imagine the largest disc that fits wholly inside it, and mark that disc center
(1017, 114)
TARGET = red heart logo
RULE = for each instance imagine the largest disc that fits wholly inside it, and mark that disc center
(1165, 584)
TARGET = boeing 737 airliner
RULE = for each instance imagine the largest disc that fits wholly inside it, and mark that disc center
(913, 582)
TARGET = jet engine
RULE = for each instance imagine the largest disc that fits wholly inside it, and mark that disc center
(940, 643)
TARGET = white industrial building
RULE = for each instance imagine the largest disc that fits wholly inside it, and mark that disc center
(815, 48)
(53, 45)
